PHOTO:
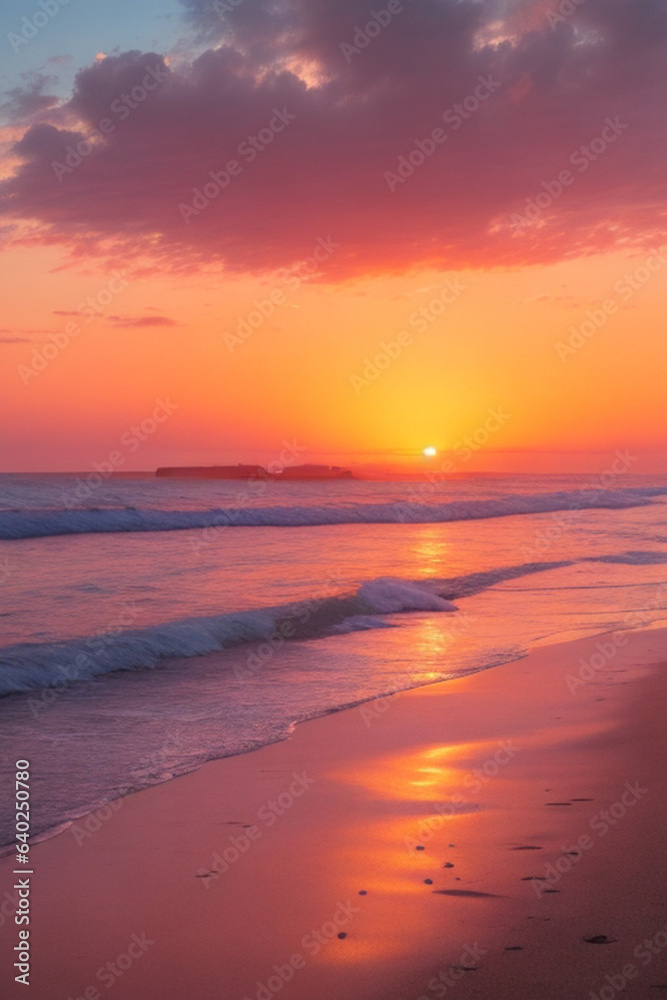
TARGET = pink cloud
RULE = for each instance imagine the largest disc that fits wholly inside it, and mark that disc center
(139, 321)
(327, 171)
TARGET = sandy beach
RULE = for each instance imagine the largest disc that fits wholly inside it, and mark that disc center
(333, 500)
(492, 836)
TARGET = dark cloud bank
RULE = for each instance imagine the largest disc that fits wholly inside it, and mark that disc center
(316, 115)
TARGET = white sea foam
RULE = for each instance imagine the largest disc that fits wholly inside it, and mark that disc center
(28, 666)
(16, 524)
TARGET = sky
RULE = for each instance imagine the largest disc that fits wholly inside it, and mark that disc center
(234, 227)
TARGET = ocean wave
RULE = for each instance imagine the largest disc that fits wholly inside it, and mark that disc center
(31, 666)
(17, 524)
(639, 557)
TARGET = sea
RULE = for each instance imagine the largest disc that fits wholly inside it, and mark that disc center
(150, 625)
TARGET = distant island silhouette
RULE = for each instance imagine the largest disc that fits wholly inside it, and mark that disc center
(296, 472)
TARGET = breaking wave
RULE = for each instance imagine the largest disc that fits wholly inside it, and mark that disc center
(30, 666)
(16, 524)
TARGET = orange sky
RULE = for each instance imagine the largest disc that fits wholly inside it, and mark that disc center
(303, 374)
(486, 202)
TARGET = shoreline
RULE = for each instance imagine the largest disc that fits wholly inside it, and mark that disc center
(63, 824)
(280, 842)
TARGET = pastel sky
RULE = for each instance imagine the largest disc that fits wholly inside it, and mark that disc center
(361, 228)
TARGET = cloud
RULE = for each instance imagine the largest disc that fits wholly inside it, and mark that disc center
(14, 340)
(27, 102)
(138, 321)
(325, 174)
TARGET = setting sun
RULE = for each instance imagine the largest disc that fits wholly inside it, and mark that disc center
(255, 252)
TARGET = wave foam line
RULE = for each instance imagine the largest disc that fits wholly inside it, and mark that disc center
(31, 666)
(17, 524)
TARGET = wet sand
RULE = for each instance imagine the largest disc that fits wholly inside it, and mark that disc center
(497, 836)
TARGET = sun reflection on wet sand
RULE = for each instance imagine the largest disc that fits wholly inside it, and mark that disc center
(389, 858)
